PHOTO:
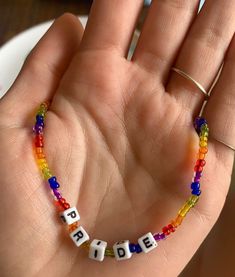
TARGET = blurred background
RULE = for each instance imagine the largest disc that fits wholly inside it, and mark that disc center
(18, 15)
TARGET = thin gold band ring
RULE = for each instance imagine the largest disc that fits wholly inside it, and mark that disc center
(224, 143)
(198, 85)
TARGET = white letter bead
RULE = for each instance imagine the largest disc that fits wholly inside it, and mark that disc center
(97, 250)
(147, 242)
(70, 215)
(79, 236)
(121, 250)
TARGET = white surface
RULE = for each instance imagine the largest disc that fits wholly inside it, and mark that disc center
(14, 52)
(147, 242)
(121, 250)
(79, 236)
(97, 250)
(70, 215)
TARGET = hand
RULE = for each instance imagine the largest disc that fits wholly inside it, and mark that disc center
(118, 136)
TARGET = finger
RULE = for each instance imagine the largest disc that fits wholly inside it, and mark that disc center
(220, 108)
(163, 32)
(42, 70)
(111, 25)
(203, 52)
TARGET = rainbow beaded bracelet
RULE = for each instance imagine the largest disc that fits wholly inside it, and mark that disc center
(69, 215)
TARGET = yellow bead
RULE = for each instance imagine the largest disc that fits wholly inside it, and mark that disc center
(109, 252)
(202, 138)
(192, 200)
(46, 173)
(203, 143)
(205, 134)
(184, 210)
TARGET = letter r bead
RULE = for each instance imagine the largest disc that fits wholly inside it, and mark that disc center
(147, 242)
(79, 236)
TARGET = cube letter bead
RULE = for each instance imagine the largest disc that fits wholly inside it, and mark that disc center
(97, 250)
(147, 242)
(70, 215)
(79, 236)
(121, 250)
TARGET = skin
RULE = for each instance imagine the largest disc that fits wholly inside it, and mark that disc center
(118, 136)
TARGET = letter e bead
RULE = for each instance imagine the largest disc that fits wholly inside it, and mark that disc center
(121, 250)
(79, 236)
(70, 215)
(97, 250)
(147, 242)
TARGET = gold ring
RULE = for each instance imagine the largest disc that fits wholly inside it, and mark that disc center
(224, 143)
(183, 74)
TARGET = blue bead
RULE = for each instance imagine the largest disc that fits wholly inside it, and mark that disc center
(53, 183)
(39, 117)
(40, 120)
(199, 121)
(132, 247)
(195, 186)
(138, 249)
(196, 192)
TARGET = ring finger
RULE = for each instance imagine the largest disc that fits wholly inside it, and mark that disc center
(203, 52)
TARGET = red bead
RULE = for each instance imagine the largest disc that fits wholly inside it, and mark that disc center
(165, 230)
(66, 205)
(198, 168)
(200, 162)
(171, 228)
(62, 200)
(39, 141)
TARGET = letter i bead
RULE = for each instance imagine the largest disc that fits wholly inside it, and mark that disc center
(97, 250)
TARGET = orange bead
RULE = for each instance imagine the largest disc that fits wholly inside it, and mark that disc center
(201, 156)
(203, 150)
(73, 226)
(178, 220)
(39, 150)
(41, 155)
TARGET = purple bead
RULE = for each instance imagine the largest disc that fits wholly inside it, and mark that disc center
(38, 129)
(197, 176)
(162, 236)
(57, 194)
(157, 236)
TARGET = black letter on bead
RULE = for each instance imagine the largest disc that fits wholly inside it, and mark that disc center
(121, 252)
(96, 253)
(147, 242)
(79, 234)
(72, 214)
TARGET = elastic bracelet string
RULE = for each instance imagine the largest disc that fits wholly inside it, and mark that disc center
(121, 250)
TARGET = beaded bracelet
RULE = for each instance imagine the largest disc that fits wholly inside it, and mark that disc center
(69, 215)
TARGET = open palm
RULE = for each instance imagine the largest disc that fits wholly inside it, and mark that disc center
(120, 140)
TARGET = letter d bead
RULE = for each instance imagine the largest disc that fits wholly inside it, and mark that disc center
(121, 250)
